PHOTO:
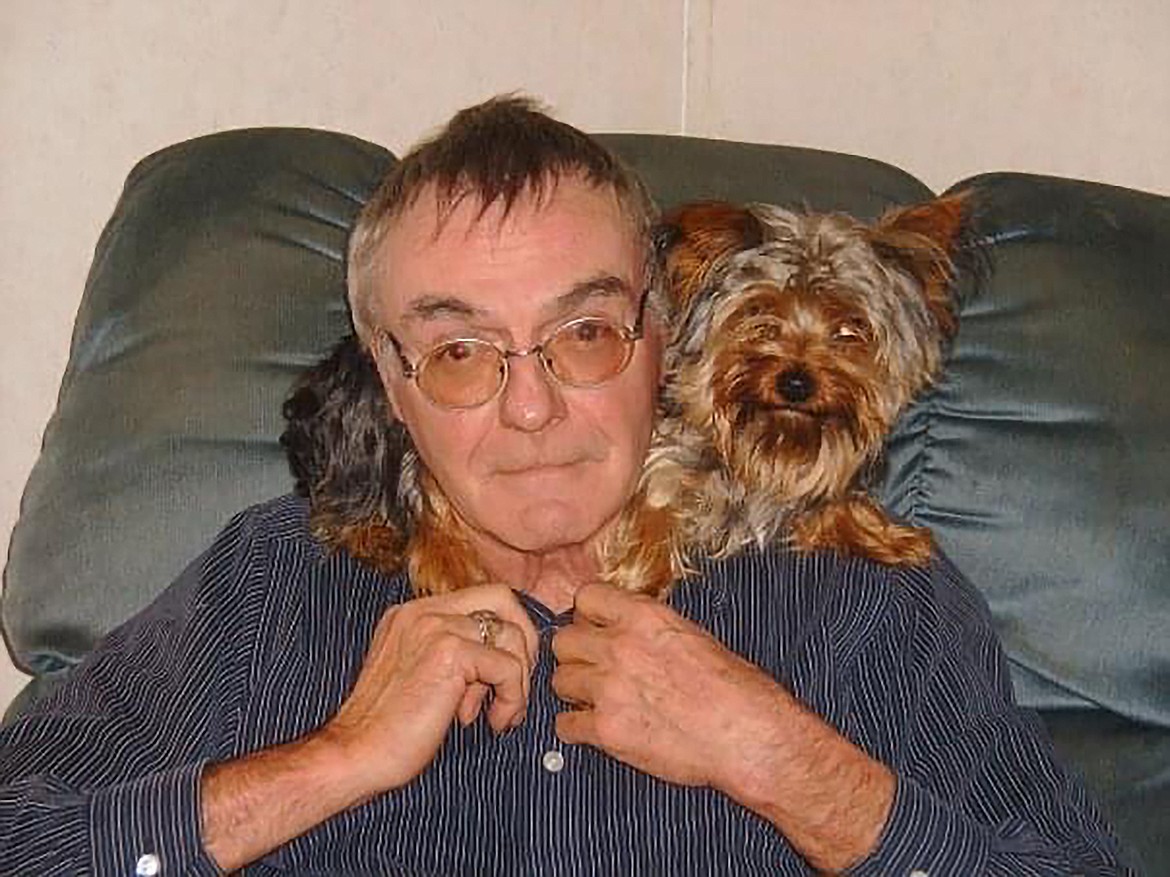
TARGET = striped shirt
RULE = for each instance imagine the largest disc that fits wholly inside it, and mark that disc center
(259, 641)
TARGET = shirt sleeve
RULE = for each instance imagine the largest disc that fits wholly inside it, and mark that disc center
(979, 788)
(103, 775)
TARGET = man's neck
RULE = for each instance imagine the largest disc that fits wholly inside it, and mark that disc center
(551, 577)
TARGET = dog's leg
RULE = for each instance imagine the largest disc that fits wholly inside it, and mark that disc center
(859, 526)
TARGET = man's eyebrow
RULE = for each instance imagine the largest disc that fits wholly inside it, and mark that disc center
(435, 307)
(603, 286)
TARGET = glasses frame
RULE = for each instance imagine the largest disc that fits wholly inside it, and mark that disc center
(410, 370)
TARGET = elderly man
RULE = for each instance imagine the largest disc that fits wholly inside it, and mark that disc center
(287, 709)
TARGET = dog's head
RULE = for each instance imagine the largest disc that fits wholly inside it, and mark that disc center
(801, 336)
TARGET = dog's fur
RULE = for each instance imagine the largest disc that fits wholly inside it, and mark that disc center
(351, 458)
(800, 338)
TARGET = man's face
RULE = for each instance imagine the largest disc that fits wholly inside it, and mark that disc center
(541, 466)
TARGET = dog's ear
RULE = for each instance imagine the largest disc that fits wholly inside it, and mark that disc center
(695, 237)
(924, 240)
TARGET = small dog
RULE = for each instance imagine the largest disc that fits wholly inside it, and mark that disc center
(799, 339)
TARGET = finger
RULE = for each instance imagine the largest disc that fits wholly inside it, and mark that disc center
(576, 684)
(577, 726)
(508, 638)
(471, 703)
(507, 676)
(511, 638)
(499, 599)
(603, 605)
(580, 644)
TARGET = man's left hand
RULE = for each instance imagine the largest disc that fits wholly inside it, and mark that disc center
(658, 692)
(661, 694)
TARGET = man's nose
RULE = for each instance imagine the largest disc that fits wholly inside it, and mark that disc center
(531, 399)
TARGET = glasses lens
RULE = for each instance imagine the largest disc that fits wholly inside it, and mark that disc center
(461, 374)
(587, 352)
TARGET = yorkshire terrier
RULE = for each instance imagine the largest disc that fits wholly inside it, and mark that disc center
(798, 340)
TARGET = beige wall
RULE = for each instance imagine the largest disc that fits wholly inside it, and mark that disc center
(944, 89)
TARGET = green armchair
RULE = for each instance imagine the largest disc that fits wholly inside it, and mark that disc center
(1040, 460)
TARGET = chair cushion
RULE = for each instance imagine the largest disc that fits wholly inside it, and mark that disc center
(1042, 463)
(681, 169)
(217, 280)
(1125, 764)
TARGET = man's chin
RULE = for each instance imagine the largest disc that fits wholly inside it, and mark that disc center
(539, 526)
(543, 509)
(547, 528)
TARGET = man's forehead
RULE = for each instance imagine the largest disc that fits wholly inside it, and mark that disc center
(434, 209)
(572, 246)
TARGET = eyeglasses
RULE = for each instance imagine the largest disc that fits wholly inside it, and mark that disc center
(469, 372)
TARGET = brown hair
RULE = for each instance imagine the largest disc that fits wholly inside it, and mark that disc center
(496, 151)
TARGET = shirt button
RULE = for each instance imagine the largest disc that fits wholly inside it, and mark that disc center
(918, 872)
(147, 866)
(553, 761)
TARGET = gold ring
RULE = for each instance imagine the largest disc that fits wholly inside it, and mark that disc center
(489, 626)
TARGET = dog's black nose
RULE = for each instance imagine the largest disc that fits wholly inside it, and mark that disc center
(796, 385)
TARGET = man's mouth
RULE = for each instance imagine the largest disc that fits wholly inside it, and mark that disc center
(538, 466)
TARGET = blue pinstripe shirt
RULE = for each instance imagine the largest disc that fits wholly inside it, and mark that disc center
(260, 640)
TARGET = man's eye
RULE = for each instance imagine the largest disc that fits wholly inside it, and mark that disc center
(588, 331)
(457, 351)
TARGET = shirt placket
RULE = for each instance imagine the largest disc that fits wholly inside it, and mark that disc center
(548, 762)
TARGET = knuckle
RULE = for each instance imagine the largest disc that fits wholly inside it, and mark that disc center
(654, 610)
(509, 664)
(570, 727)
(498, 593)
(427, 625)
(606, 727)
(624, 652)
(447, 645)
(561, 683)
(607, 692)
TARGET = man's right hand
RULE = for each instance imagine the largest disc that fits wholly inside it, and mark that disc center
(425, 667)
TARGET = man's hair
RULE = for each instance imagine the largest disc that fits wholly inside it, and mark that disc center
(497, 151)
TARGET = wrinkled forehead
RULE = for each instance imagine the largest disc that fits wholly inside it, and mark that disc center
(435, 209)
(506, 255)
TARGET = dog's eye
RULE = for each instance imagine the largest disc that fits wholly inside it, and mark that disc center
(850, 333)
(750, 311)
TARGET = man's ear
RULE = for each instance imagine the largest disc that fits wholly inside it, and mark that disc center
(390, 388)
(379, 368)
(695, 237)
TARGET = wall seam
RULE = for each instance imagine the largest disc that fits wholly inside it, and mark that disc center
(686, 64)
